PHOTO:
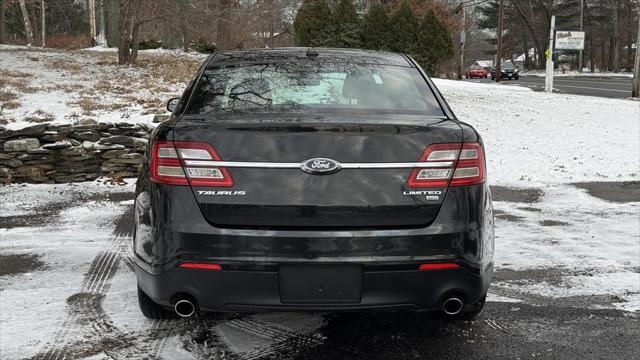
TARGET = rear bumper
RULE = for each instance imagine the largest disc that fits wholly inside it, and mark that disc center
(259, 290)
(168, 232)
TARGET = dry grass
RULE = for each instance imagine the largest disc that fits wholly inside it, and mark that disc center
(39, 116)
(18, 80)
(65, 64)
(67, 88)
(170, 69)
(4, 120)
(7, 96)
(102, 85)
(68, 41)
(89, 105)
(14, 74)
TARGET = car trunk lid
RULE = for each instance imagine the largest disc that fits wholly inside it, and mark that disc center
(271, 188)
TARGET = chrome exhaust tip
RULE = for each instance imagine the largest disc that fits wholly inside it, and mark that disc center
(452, 306)
(184, 308)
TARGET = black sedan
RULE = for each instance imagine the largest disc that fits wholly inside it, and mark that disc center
(507, 71)
(312, 179)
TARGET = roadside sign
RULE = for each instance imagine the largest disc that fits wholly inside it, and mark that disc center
(570, 40)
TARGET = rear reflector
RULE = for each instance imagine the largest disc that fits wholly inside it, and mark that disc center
(167, 165)
(200, 266)
(462, 164)
(440, 266)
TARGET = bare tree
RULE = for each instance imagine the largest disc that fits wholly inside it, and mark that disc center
(615, 36)
(27, 23)
(43, 27)
(224, 40)
(91, 14)
(101, 37)
(2, 20)
(129, 24)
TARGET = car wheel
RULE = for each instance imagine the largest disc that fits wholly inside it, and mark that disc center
(151, 309)
(516, 77)
(493, 78)
(476, 311)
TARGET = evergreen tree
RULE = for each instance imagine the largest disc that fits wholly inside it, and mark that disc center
(312, 23)
(434, 42)
(345, 25)
(403, 30)
(375, 28)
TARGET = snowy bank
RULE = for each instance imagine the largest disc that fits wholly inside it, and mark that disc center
(536, 137)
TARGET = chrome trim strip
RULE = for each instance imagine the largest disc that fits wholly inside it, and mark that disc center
(277, 165)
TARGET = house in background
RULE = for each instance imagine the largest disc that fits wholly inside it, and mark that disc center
(485, 64)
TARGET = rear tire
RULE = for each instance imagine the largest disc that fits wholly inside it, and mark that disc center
(151, 309)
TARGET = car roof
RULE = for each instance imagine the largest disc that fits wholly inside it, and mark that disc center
(288, 54)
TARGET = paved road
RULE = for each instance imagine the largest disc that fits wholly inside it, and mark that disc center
(604, 87)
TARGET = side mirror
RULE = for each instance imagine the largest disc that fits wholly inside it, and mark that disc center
(172, 104)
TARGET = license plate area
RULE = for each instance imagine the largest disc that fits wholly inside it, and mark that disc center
(320, 284)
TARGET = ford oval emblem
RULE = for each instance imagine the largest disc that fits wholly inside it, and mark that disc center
(320, 166)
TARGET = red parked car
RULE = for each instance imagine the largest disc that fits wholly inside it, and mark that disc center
(476, 72)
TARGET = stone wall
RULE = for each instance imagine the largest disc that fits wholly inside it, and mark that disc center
(47, 153)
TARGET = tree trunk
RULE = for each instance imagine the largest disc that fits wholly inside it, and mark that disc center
(525, 46)
(91, 13)
(2, 19)
(529, 26)
(124, 32)
(101, 38)
(615, 36)
(592, 59)
(43, 18)
(27, 23)
(184, 25)
(223, 38)
(135, 43)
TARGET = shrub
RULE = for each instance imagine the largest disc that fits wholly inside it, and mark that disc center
(149, 44)
(204, 46)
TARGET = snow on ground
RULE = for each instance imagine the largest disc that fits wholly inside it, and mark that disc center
(68, 86)
(536, 137)
(33, 304)
(546, 141)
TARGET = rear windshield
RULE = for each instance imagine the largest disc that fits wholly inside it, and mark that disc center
(322, 87)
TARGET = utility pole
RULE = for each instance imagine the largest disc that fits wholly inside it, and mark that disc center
(44, 23)
(499, 35)
(463, 36)
(27, 23)
(635, 93)
(548, 80)
(581, 26)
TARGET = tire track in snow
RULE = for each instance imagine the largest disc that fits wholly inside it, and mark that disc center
(85, 309)
(282, 339)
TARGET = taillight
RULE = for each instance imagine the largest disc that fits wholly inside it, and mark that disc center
(449, 165)
(438, 266)
(167, 164)
(202, 266)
